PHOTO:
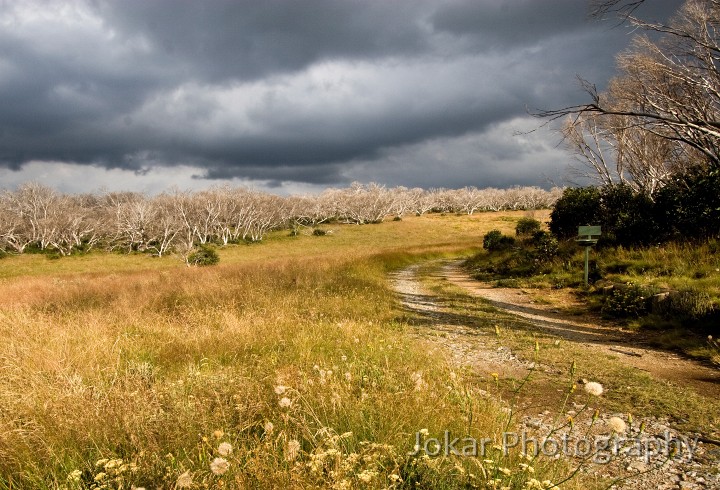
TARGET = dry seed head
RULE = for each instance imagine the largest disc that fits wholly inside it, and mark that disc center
(594, 388)
(617, 424)
(225, 448)
(219, 466)
(292, 450)
(184, 481)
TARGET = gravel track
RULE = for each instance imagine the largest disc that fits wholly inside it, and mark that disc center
(483, 353)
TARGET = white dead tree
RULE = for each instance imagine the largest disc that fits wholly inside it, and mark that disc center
(164, 227)
(15, 231)
(133, 215)
(76, 224)
(662, 111)
(362, 204)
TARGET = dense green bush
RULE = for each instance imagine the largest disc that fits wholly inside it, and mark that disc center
(527, 227)
(546, 246)
(204, 255)
(494, 240)
(628, 301)
(626, 217)
(578, 206)
(688, 207)
(510, 259)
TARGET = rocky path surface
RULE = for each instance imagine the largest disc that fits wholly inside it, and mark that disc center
(590, 330)
(697, 464)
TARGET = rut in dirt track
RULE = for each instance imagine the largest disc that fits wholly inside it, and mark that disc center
(483, 353)
(588, 330)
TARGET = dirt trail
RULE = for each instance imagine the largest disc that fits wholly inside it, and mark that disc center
(468, 346)
(555, 312)
(550, 315)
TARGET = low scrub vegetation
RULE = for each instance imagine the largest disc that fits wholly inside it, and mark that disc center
(669, 287)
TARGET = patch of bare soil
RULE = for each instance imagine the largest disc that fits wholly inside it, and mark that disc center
(467, 346)
(556, 312)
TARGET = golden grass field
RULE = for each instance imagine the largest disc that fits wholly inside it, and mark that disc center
(288, 365)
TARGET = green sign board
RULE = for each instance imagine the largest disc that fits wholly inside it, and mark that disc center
(587, 236)
(589, 231)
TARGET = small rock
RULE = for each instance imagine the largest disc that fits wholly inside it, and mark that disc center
(637, 466)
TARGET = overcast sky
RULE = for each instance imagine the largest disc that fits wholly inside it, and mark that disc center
(296, 95)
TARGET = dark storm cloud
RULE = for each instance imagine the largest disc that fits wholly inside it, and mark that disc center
(510, 23)
(317, 91)
(240, 40)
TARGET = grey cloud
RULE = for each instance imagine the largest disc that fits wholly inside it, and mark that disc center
(497, 156)
(510, 23)
(240, 40)
(319, 91)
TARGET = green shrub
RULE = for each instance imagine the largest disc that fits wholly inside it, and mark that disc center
(527, 227)
(688, 207)
(578, 206)
(204, 255)
(626, 217)
(494, 241)
(628, 301)
(546, 246)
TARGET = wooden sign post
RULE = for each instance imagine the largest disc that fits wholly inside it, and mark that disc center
(588, 236)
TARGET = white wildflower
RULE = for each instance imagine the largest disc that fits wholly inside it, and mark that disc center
(74, 475)
(225, 448)
(219, 466)
(594, 388)
(617, 424)
(184, 481)
(366, 476)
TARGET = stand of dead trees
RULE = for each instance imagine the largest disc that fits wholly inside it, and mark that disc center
(35, 218)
